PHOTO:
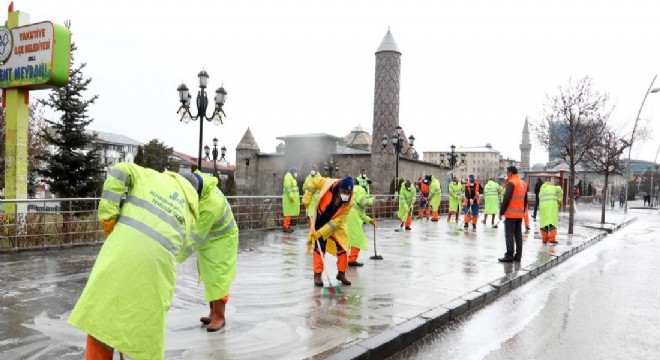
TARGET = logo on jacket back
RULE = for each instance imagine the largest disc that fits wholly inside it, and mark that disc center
(175, 197)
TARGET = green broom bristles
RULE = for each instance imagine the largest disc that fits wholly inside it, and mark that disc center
(331, 290)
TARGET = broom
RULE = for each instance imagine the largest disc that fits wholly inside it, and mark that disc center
(376, 256)
(403, 221)
(327, 290)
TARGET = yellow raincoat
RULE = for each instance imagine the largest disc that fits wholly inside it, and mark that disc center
(406, 201)
(357, 217)
(215, 239)
(131, 284)
(337, 226)
(315, 194)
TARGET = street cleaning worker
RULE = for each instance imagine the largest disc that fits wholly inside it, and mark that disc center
(364, 181)
(307, 186)
(215, 240)
(513, 208)
(129, 291)
(290, 198)
(435, 195)
(491, 200)
(330, 223)
(472, 202)
(356, 218)
(455, 196)
(424, 209)
(406, 202)
(550, 197)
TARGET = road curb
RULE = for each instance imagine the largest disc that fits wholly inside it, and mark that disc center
(401, 336)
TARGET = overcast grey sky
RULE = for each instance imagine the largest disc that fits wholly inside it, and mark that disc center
(471, 70)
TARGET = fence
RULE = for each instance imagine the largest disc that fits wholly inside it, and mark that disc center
(67, 222)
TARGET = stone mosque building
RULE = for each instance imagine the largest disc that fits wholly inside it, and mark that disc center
(260, 173)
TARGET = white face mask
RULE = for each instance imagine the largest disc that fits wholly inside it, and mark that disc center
(295, 175)
(345, 197)
(313, 172)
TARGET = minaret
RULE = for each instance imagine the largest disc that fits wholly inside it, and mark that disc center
(386, 112)
(386, 91)
(245, 172)
(525, 148)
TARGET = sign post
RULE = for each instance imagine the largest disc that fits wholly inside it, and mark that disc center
(32, 57)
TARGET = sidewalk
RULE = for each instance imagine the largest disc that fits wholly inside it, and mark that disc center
(429, 276)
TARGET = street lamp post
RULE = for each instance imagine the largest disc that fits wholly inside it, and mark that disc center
(632, 138)
(214, 153)
(452, 158)
(330, 167)
(202, 104)
(397, 143)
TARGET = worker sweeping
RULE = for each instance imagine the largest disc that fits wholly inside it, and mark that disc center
(550, 197)
(215, 240)
(435, 195)
(472, 190)
(290, 198)
(330, 219)
(406, 202)
(307, 186)
(491, 200)
(130, 287)
(356, 218)
(455, 196)
(424, 209)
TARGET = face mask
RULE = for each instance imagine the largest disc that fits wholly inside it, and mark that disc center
(313, 172)
(295, 175)
(344, 197)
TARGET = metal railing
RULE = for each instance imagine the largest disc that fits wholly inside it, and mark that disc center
(41, 223)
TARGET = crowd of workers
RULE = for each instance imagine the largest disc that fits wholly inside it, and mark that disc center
(155, 220)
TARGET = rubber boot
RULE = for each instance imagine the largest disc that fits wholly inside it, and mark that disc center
(217, 316)
(317, 279)
(207, 319)
(341, 276)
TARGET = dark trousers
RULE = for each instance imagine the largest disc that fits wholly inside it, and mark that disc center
(513, 232)
(536, 206)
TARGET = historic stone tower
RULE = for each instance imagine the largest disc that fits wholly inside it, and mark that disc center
(386, 111)
(386, 91)
(525, 148)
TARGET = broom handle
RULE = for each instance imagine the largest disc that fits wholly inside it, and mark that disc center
(323, 260)
(373, 214)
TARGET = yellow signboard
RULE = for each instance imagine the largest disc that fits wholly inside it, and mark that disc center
(35, 56)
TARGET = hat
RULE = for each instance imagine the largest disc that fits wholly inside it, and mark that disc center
(195, 180)
(346, 183)
(471, 177)
(293, 170)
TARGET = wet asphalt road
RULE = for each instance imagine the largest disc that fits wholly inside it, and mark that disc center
(275, 312)
(602, 304)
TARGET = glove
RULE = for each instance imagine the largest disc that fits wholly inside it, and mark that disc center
(471, 201)
(316, 235)
(108, 225)
(373, 222)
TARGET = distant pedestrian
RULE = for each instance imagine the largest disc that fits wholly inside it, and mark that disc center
(537, 189)
(622, 198)
(455, 196)
(513, 208)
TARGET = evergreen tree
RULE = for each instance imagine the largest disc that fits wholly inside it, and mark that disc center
(139, 157)
(157, 156)
(74, 169)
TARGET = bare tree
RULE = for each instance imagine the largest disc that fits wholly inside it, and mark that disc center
(573, 123)
(605, 159)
